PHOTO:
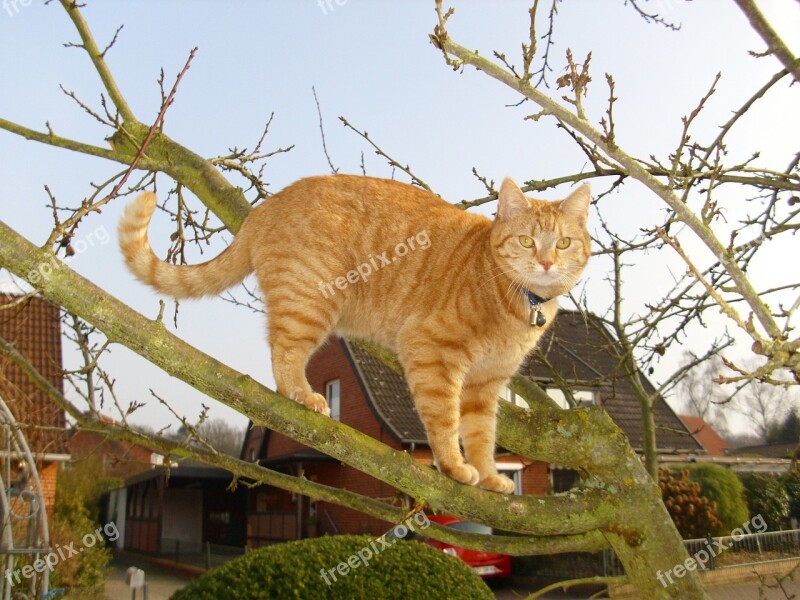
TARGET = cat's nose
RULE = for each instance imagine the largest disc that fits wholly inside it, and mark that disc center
(546, 264)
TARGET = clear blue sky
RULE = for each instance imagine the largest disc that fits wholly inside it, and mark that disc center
(371, 62)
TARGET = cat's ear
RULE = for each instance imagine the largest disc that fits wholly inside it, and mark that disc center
(576, 205)
(511, 200)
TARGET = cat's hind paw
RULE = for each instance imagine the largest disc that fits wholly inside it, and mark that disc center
(497, 483)
(462, 473)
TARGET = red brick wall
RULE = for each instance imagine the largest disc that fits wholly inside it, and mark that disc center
(330, 362)
(21, 504)
(33, 326)
(252, 442)
(48, 477)
(535, 479)
(347, 520)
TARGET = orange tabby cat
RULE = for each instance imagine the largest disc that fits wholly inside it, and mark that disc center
(459, 298)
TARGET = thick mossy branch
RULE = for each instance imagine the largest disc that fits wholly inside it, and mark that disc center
(187, 168)
(256, 475)
(162, 155)
(573, 513)
(560, 436)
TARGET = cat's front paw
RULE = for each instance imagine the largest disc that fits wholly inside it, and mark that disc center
(497, 483)
(462, 473)
(313, 401)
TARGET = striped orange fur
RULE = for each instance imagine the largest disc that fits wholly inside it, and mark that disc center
(396, 265)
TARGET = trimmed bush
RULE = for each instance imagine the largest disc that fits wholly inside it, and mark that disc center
(723, 487)
(767, 497)
(693, 514)
(293, 570)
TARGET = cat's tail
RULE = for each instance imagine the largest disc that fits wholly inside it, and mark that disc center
(178, 281)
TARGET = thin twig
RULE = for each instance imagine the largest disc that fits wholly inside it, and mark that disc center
(334, 170)
(392, 162)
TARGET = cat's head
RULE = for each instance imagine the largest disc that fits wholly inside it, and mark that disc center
(539, 244)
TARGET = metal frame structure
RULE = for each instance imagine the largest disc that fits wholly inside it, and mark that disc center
(23, 515)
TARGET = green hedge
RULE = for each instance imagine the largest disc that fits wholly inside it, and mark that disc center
(791, 483)
(767, 497)
(723, 487)
(404, 570)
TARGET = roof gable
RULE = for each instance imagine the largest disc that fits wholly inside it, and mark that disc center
(579, 350)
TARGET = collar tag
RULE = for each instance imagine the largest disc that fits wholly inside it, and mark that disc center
(537, 318)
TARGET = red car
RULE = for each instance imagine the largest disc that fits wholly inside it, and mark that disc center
(488, 565)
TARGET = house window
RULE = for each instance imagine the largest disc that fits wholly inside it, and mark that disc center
(509, 396)
(582, 397)
(563, 480)
(332, 395)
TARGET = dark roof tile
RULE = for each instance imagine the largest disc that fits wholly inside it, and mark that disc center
(389, 392)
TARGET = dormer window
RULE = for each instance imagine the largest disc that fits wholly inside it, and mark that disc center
(515, 399)
(332, 395)
(582, 397)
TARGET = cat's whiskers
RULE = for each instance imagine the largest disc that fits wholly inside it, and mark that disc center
(514, 288)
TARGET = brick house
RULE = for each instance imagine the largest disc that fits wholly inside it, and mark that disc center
(366, 390)
(115, 458)
(33, 327)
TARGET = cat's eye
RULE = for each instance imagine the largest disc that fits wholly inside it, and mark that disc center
(526, 241)
(563, 243)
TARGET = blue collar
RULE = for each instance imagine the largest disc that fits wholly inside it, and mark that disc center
(537, 318)
(533, 299)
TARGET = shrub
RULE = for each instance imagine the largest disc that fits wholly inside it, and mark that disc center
(724, 488)
(693, 514)
(292, 570)
(75, 514)
(767, 497)
(791, 483)
(83, 575)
